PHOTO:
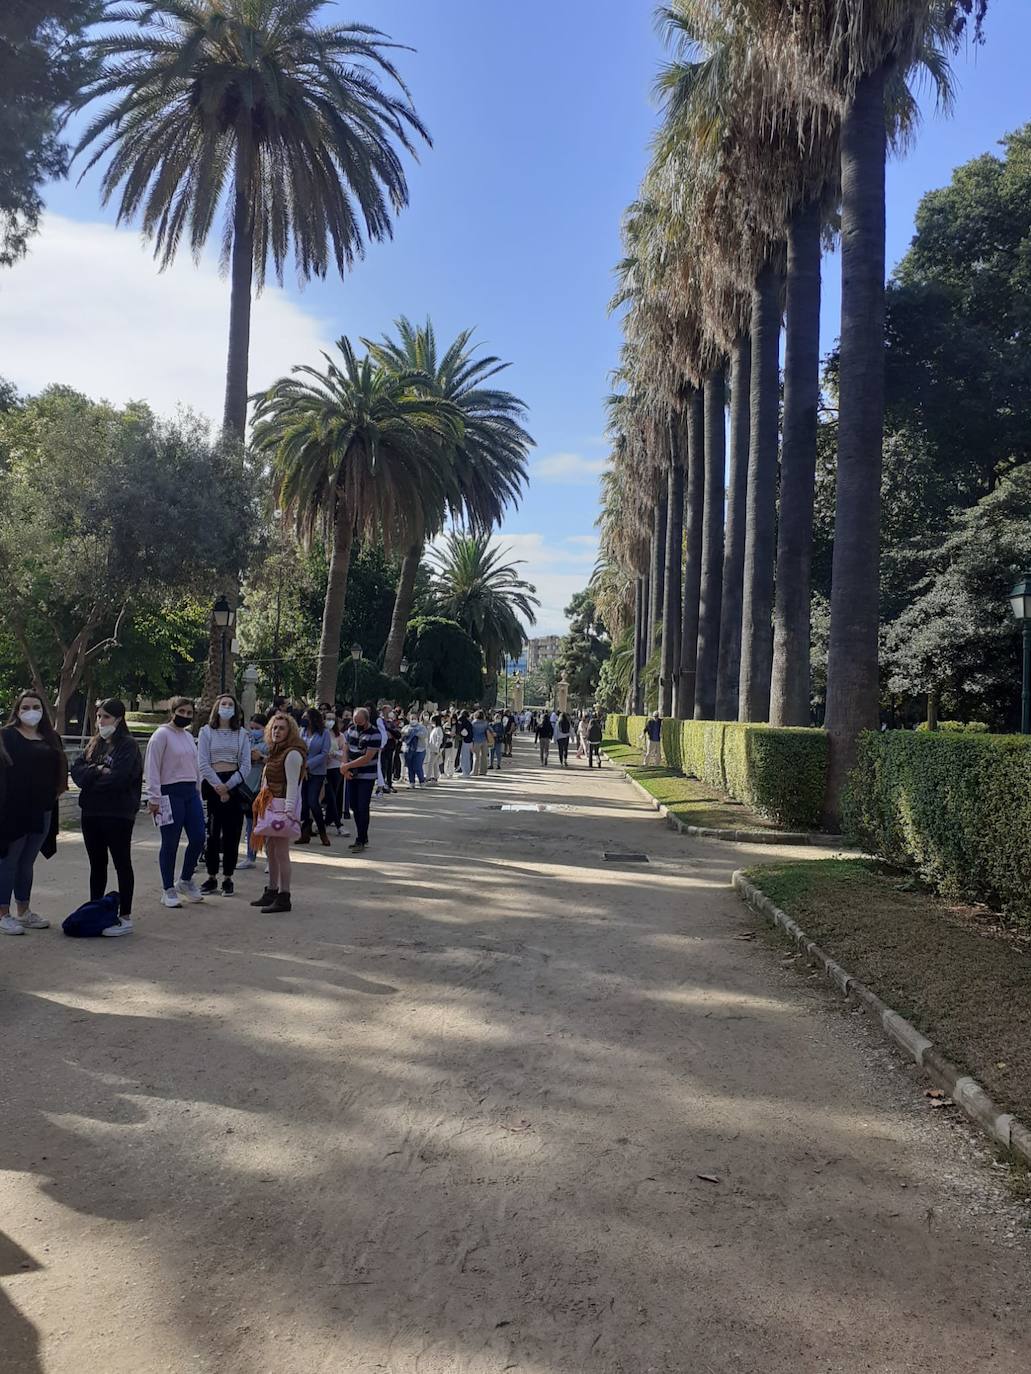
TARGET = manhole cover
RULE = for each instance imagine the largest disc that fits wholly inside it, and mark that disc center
(612, 856)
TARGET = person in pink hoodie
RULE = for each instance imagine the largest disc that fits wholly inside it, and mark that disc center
(171, 774)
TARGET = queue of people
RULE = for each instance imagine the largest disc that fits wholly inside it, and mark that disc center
(263, 784)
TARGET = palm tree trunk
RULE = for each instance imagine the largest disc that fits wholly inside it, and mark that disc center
(711, 594)
(394, 652)
(694, 502)
(333, 610)
(642, 641)
(635, 666)
(734, 541)
(852, 666)
(761, 518)
(658, 571)
(671, 608)
(234, 415)
(790, 692)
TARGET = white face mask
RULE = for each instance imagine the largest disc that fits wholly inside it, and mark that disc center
(226, 712)
(330, 722)
(106, 731)
(30, 717)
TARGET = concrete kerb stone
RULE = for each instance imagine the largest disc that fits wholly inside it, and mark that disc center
(965, 1091)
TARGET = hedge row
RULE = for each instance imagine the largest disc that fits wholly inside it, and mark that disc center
(778, 772)
(957, 807)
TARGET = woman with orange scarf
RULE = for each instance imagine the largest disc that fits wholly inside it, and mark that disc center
(281, 781)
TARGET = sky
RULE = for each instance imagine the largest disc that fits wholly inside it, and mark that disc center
(541, 115)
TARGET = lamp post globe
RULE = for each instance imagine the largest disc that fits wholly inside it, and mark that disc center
(223, 615)
(1020, 603)
(356, 653)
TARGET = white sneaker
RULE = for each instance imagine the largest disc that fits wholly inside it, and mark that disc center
(247, 863)
(10, 926)
(189, 890)
(33, 922)
(124, 927)
(170, 897)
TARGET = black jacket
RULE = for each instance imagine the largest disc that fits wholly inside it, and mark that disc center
(33, 783)
(112, 783)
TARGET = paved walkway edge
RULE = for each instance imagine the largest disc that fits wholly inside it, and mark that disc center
(1006, 1130)
(705, 832)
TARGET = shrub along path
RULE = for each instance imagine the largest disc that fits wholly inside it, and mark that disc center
(956, 973)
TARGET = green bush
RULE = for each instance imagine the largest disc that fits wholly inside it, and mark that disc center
(778, 772)
(955, 806)
(956, 727)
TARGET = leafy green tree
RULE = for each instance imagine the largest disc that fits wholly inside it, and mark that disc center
(956, 641)
(43, 66)
(614, 681)
(486, 596)
(445, 662)
(584, 649)
(357, 449)
(488, 462)
(107, 510)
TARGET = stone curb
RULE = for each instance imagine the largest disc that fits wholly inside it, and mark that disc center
(965, 1091)
(706, 832)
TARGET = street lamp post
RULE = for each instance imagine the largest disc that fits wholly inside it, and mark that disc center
(356, 653)
(1020, 600)
(223, 615)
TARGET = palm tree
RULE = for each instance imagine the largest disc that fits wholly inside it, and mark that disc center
(489, 465)
(471, 584)
(694, 507)
(672, 608)
(252, 112)
(251, 108)
(355, 448)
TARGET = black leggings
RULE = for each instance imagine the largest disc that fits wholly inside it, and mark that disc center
(334, 796)
(563, 748)
(225, 825)
(104, 835)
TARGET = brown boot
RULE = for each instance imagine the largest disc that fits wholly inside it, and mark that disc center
(305, 837)
(324, 838)
(280, 902)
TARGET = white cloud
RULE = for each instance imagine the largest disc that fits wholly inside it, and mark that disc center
(571, 468)
(89, 308)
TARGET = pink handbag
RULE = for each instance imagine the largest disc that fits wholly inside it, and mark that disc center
(277, 822)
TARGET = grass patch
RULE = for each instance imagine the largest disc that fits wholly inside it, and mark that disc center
(690, 801)
(958, 973)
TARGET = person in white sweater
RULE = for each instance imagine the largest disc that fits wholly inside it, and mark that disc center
(224, 754)
(434, 749)
(171, 773)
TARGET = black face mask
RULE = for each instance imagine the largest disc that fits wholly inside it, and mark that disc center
(183, 722)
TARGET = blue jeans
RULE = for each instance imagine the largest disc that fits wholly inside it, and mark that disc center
(415, 763)
(311, 792)
(16, 867)
(497, 749)
(188, 815)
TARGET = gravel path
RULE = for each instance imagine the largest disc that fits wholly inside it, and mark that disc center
(484, 1102)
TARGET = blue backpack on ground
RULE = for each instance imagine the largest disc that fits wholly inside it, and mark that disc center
(92, 918)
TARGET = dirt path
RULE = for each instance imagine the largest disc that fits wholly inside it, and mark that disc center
(450, 1117)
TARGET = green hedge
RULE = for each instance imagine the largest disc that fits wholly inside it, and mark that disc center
(957, 807)
(778, 772)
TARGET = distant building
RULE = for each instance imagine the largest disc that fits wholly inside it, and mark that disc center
(539, 651)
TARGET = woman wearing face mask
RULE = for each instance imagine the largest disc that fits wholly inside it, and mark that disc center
(172, 774)
(334, 778)
(415, 739)
(224, 755)
(34, 779)
(109, 775)
(317, 741)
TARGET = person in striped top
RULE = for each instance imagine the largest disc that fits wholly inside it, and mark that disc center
(359, 769)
